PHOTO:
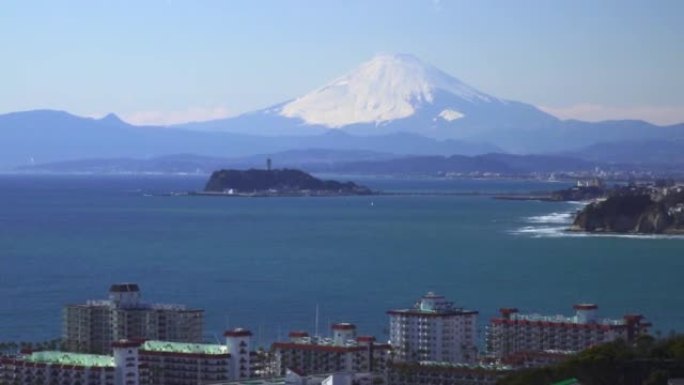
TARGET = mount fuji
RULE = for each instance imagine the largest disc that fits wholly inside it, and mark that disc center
(398, 93)
(390, 93)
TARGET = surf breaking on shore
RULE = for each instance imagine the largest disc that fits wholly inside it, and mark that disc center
(557, 224)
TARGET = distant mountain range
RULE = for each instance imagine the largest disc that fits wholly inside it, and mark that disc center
(325, 161)
(393, 104)
(645, 152)
(314, 159)
(356, 162)
(44, 136)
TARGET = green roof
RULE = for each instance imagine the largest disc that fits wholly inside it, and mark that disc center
(569, 381)
(66, 358)
(274, 381)
(183, 347)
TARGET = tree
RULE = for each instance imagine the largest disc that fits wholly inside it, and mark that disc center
(657, 377)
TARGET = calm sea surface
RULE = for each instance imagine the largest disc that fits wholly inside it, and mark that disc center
(265, 264)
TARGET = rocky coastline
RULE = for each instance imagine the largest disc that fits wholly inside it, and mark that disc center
(635, 210)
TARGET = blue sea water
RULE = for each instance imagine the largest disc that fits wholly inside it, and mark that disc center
(265, 264)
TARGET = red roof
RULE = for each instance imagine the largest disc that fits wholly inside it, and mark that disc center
(239, 332)
(126, 344)
(298, 334)
(508, 310)
(194, 356)
(315, 347)
(419, 313)
(343, 326)
(297, 371)
(567, 325)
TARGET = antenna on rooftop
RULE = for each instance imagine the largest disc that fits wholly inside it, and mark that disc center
(316, 326)
(218, 341)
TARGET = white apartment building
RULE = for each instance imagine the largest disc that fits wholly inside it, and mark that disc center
(433, 330)
(514, 335)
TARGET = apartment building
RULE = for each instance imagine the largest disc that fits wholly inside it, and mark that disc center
(434, 330)
(93, 326)
(513, 335)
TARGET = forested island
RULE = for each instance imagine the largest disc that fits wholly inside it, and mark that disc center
(277, 182)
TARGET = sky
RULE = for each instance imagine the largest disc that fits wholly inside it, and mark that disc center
(167, 61)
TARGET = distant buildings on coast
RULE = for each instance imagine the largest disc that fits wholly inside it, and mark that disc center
(124, 341)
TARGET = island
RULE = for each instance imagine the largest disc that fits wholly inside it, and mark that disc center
(277, 182)
(635, 210)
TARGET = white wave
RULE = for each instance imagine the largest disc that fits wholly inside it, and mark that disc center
(579, 203)
(541, 231)
(552, 218)
(562, 231)
(547, 226)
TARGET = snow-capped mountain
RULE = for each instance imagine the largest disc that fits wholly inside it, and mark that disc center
(390, 93)
(387, 88)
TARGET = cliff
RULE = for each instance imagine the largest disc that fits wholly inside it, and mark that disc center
(635, 212)
(278, 182)
(580, 193)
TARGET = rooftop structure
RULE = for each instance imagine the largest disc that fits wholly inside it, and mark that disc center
(432, 304)
(434, 330)
(513, 333)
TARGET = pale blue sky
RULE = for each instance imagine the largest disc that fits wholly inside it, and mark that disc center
(167, 61)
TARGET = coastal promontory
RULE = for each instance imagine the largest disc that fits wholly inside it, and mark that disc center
(635, 211)
(278, 182)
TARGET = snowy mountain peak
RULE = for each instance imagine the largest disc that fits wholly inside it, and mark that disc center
(388, 87)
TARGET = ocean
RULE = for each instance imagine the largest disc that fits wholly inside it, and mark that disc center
(267, 263)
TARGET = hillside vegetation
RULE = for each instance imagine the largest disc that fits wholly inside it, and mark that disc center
(648, 362)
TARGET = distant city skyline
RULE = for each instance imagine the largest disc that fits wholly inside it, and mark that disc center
(165, 62)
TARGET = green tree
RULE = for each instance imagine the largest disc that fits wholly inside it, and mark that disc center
(657, 377)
